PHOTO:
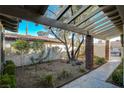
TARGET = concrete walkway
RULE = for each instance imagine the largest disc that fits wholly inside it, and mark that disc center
(96, 78)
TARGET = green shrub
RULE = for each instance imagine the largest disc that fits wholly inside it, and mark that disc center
(82, 70)
(9, 69)
(64, 74)
(117, 77)
(9, 62)
(47, 81)
(8, 78)
(7, 81)
(99, 60)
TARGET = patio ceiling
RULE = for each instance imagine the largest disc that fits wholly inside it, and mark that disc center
(103, 22)
(11, 23)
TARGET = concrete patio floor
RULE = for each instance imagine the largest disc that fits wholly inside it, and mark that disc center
(96, 78)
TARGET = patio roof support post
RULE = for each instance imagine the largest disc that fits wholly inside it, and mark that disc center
(122, 50)
(2, 55)
(89, 52)
(107, 50)
(122, 39)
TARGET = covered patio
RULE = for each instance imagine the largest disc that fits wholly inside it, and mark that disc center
(93, 21)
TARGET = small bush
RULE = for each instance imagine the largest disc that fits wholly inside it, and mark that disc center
(82, 70)
(9, 69)
(117, 77)
(47, 81)
(64, 74)
(9, 62)
(7, 81)
(8, 78)
(99, 60)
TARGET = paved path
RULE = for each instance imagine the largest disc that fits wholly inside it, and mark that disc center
(96, 78)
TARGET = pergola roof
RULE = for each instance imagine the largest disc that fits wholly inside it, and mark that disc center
(102, 22)
(11, 23)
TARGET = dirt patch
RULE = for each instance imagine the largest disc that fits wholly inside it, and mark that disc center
(60, 71)
(29, 78)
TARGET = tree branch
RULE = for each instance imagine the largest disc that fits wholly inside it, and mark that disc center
(67, 50)
(72, 52)
(56, 36)
(79, 45)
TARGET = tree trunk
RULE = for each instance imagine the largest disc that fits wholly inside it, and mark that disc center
(66, 46)
(79, 45)
(72, 52)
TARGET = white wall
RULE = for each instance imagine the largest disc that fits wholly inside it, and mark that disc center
(99, 50)
(53, 55)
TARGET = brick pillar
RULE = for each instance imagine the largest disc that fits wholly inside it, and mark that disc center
(122, 40)
(107, 50)
(89, 52)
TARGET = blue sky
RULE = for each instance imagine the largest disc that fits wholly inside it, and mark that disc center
(32, 27)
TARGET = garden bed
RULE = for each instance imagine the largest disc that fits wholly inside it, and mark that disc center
(56, 74)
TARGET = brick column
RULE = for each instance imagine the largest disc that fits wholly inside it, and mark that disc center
(89, 52)
(122, 40)
(107, 50)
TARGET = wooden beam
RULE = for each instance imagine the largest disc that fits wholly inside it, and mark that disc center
(107, 32)
(62, 11)
(102, 26)
(104, 30)
(2, 17)
(111, 35)
(8, 23)
(78, 13)
(120, 9)
(106, 7)
(110, 32)
(111, 12)
(88, 17)
(95, 25)
(9, 26)
(107, 37)
(26, 15)
(115, 21)
(10, 29)
(114, 17)
(89, 22)
(101, 29)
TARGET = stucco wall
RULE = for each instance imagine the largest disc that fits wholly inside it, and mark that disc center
(53, 55)
(99, 50)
